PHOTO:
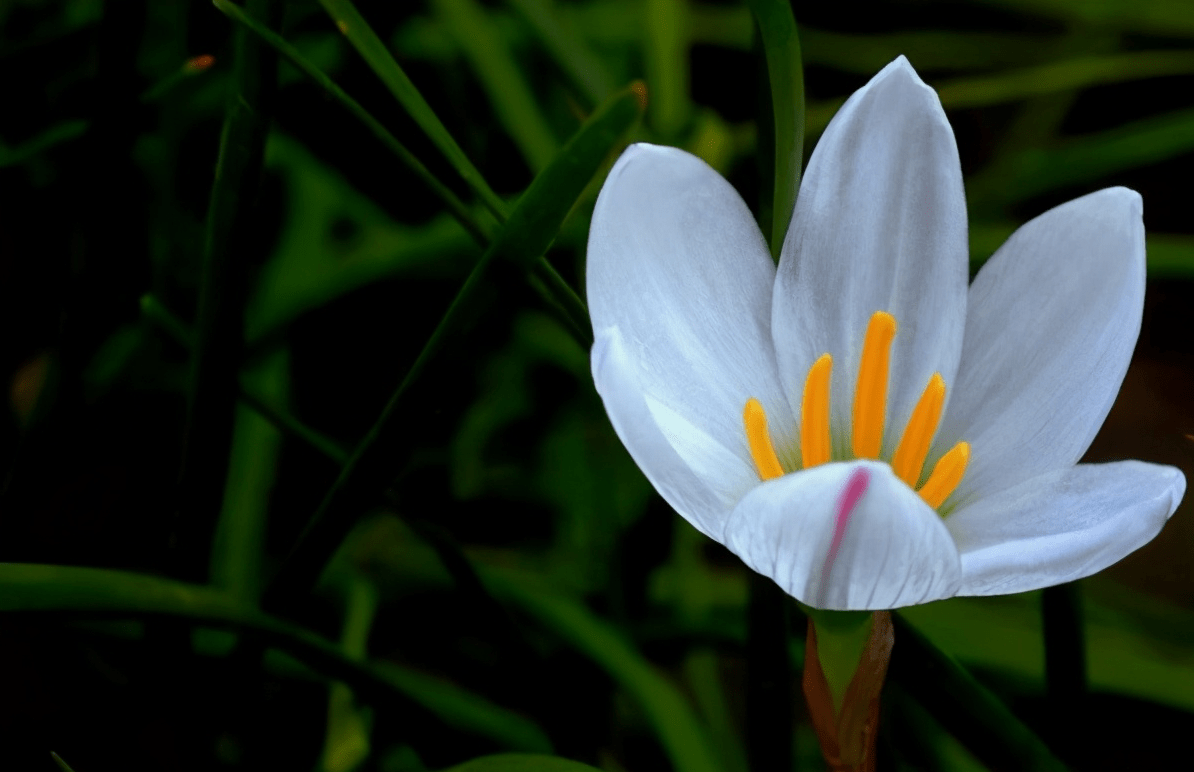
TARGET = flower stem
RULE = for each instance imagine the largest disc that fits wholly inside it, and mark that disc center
(855, 649)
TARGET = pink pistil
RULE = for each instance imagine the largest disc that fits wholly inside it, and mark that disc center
(860, 478)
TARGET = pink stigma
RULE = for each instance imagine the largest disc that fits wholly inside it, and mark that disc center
(860, 478)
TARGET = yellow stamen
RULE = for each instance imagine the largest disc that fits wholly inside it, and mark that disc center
(910, 454)
(814, 413)
(946, 475)
(870, 396)
(759, 440)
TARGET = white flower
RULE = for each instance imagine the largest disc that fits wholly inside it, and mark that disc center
(818, 471)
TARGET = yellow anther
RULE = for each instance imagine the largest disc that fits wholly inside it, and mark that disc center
(910, 454)
(870, 396)
(814, 413)
(759, 440)
(946, 475)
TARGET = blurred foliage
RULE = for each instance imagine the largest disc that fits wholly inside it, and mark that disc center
(511, 593)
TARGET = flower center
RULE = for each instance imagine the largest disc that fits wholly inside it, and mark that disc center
(869, 415)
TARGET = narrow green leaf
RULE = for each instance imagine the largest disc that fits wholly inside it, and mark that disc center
(681, 733)
(1160, 17)
(785, 73)
(520, 762)
(520, 244)
(467, 711)
(371, 48)
(375, 127)
(54, 135)
(509, 93)
(239, 544)
(1167, 254)
(1076, 73)
(570, 51)
(666, 51)
(1080, 160)
(964, 706)
(61, 764)
(219, 325)
(27, 587)
(926, 49)
(346, 741)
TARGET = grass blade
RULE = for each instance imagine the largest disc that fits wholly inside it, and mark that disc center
(680, 732)
(34, 588)
(362, 37)
(219, 329)
(785, 73)
(964, 706)
(570, 51)
(520, 244)
(666, 28)
(516, 107)
(292, 55)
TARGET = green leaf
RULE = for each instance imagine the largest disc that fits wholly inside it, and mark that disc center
(292, 54)
(681, 733)
(312, 266)
(239, 544)
(1082, 160)
(1161, 17)
(509, 93)
(964, 706)
(467, 711)
(1166, 254)
(785, 73)
(570, 51)
(520, 244)
(1076, 73)
(27, 587)
(371, 48)
(219, 325)
(519, 762)
(666, 30)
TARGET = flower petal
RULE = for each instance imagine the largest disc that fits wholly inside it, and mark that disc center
(678, 265)
(895, 550)
(1063, 525)
(684, 464)
(1053, 318)
(880, 225)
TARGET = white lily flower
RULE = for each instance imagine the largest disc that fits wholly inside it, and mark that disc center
(859, 425)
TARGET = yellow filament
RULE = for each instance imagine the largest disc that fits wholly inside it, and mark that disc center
(759, 440)
(870, 397)
(946, 475)
(910, 454)
(814, 413)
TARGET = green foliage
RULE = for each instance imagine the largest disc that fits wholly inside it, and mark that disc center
(488, 580)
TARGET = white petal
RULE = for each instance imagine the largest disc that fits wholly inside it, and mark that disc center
(1053, 318)
(880, 225)
(678, 265)
(895, 550)
(1062, 526)
(686, 482)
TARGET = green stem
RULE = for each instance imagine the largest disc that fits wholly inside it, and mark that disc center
(219, 341)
